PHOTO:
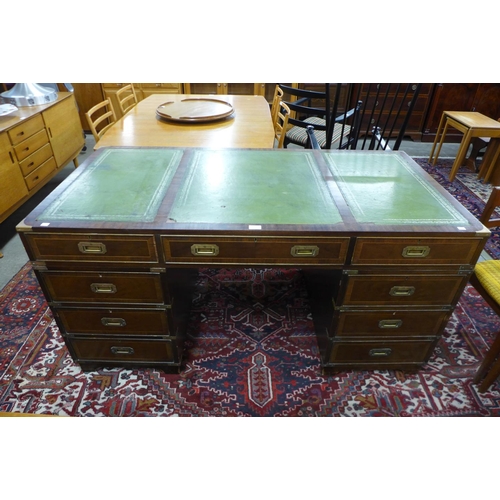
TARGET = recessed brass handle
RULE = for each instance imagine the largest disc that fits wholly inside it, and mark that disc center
(205, 250)
(122, 350)
(390, 323)
(304, 251)
(103, 287)
(89, 247)
(113, 322)
(416, 251)
(382, 352)
(402, 291)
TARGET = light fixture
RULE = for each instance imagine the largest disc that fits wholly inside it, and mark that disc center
(28, 94)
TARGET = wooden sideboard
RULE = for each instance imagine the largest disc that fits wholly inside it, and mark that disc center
(35, 143)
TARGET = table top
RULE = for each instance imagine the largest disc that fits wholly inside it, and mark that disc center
(250, 126)
(474, 119)
(244, 191)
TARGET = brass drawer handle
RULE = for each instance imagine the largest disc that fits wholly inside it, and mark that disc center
(103, 288)
(304, 251)
(205, 250)
(382, 352)
(113, 322)
(416, 251)
(92, 248)
(390, 323)
(402, 291)
(122, 350)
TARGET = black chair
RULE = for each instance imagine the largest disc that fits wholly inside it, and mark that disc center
(320, 109)
(387, 112)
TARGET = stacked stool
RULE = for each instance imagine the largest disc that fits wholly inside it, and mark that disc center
(472, 125)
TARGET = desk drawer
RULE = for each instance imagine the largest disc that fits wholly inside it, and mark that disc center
(32, 144)
(413, 251)
(391, 323)
(380, 352)
(115, 321)
(400, 290)
(26, 129)
(92, 247)
(36, 159)
(123, 350)
(124, 288)
(38, 175)
(293, 251)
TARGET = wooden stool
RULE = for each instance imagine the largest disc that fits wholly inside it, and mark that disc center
(471, 124)
(490, 168)
(486, 280)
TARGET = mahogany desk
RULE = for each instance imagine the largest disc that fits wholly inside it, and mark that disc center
(385, 250)
(250, 126)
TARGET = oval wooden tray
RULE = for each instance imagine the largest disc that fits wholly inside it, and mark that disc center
(195, 110)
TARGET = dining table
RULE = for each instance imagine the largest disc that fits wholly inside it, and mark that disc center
(249, 125)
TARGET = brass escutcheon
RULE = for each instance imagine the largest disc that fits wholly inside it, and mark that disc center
(205, 250)
(390, 323)
(113, 322)
(103, 288)
(416, 251)
(402, 291)
(304, 251)
(122, 350)
(380, 352)
(89, 247)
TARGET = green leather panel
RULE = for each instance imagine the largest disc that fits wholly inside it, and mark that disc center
(383, 189)
(121, 185)
(254, 187)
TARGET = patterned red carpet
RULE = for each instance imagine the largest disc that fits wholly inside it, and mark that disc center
(251, 351)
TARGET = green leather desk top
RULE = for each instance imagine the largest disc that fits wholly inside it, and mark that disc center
(175, 187)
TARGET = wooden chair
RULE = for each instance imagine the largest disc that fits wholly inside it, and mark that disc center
(317, 108)
(281, 123)
(126, 98)
(103, 119)
(492, 203)
(278, 97)
(486, 280)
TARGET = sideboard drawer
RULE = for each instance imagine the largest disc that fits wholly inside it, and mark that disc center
(26, 129)
(296, 251)
(391, 323)
(122, 350)
(379, 352)
(114, 321)
(92, 247)
(409, 251)
(123, 288)
(400, 290)
(36, 159)
(38, 175)
(32, 144)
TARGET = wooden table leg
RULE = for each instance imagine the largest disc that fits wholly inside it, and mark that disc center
(462, 151)
(491, 163)
(440, 128)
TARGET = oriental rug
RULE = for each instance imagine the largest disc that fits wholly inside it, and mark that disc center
(250, 351)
